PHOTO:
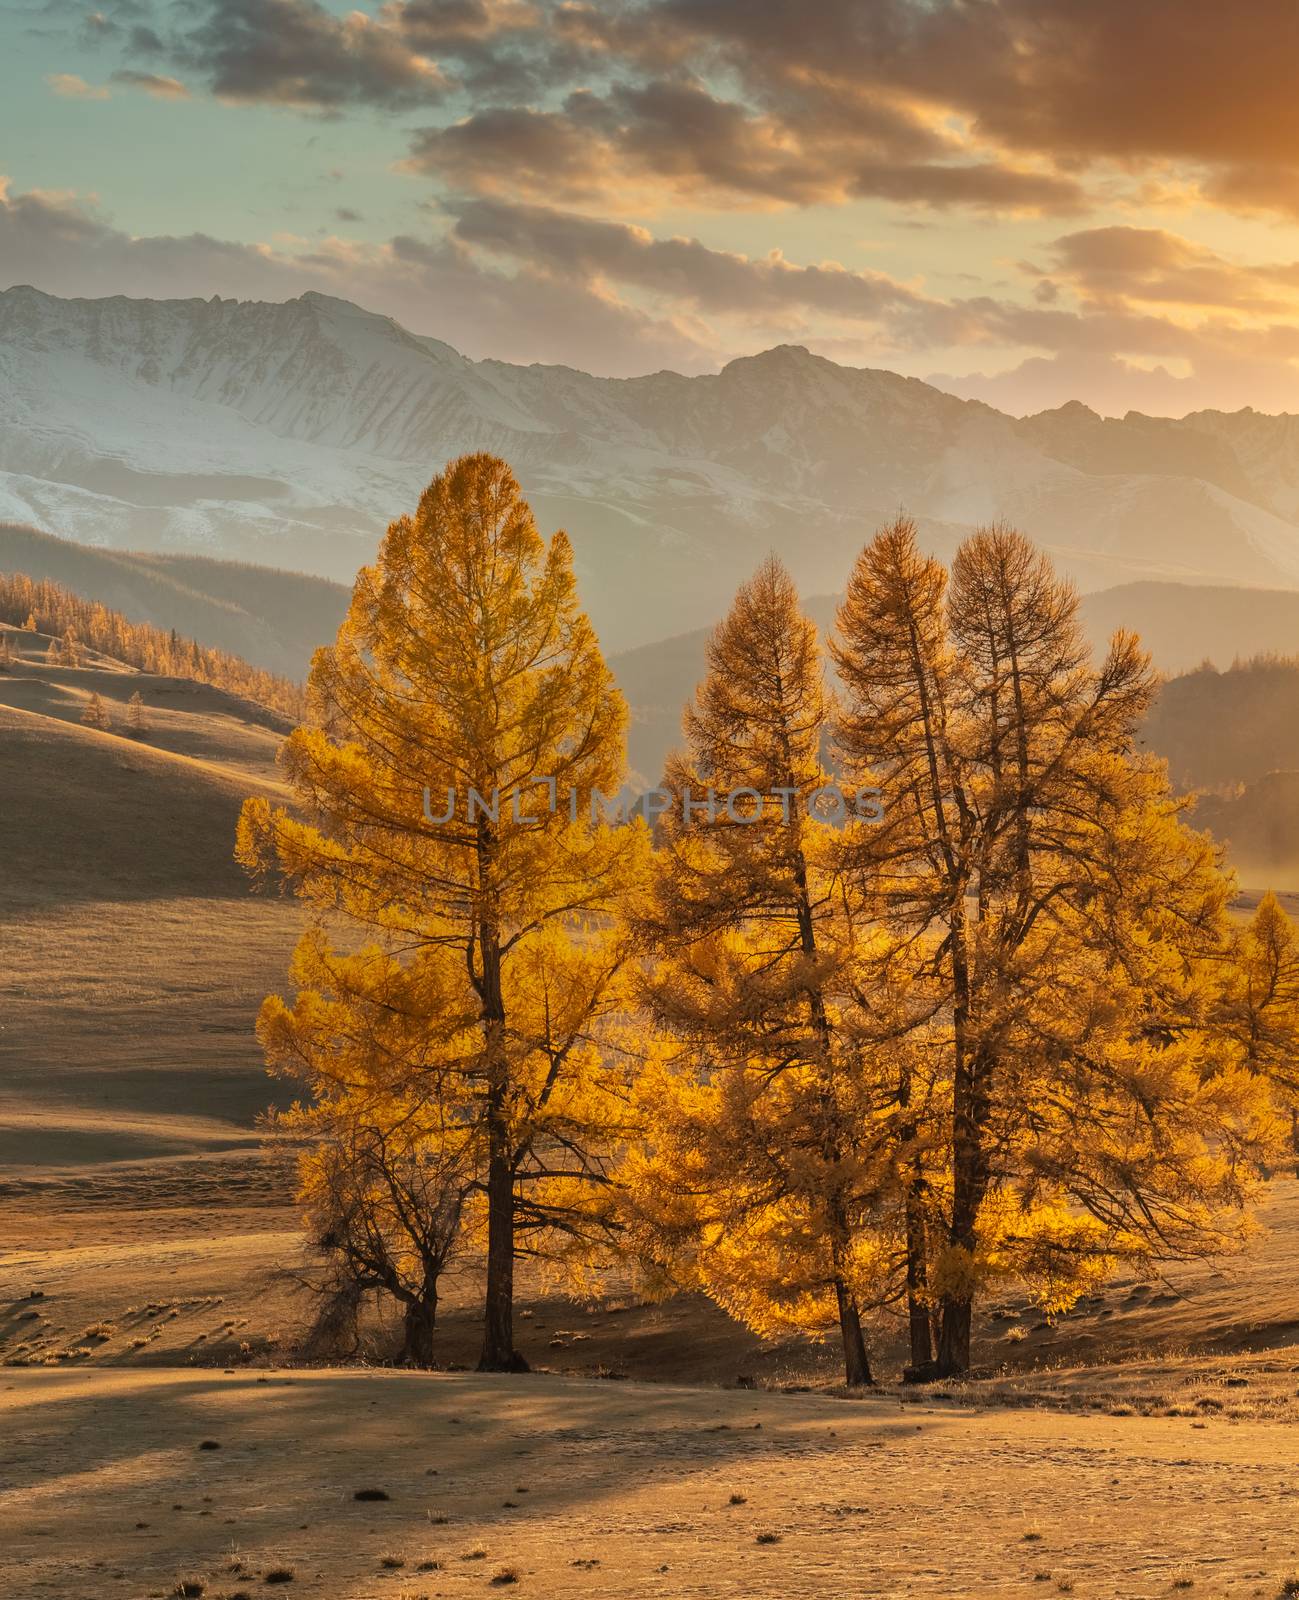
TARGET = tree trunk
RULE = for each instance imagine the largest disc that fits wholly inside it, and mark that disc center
(922, 1368)
(957, 1309)
(922, 1350)
(967, 1194)
(499, 1354)
(856, 1363)
(969, 1115)
(954, 1338)
(418, 1324)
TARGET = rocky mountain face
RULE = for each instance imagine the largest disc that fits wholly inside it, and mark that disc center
(291, 434)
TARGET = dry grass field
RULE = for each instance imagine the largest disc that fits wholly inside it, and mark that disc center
(163, 1431)
(389, 1486)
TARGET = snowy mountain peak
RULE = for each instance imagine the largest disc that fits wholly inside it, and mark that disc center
(292, 433)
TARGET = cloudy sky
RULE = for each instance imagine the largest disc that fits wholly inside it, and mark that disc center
(1026, 200)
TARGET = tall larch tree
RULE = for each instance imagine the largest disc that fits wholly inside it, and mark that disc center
(1072, 924)
(1260, 1003)
(460, 727)
(771, 1155)
(95, 714)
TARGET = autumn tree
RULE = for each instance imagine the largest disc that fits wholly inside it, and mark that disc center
(773, 1119)
(460, 727)
(96, 715)
(388, 1163)
(1071, 924)
(1259, 1006)
(135, 723)
(383, 1202)
(6, 653)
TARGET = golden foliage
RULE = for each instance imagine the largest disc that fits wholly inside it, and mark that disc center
(827, 1070)
(463, 675)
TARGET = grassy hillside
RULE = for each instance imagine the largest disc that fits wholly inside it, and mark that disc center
(272, 618)
(135, 958)
(93, 816)
(131, 1082)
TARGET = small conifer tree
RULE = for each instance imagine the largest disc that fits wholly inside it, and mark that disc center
(96, 714)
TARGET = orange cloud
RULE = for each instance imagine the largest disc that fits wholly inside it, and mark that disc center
(159, 86)
(68, 86)
(1154, 266)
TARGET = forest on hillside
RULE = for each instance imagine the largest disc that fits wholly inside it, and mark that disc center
(1219, 729)
(74, 623)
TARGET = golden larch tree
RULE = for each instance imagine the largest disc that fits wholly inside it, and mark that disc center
(1073, 925)
(771, 1163)
(461, 727)
(1260, 1003)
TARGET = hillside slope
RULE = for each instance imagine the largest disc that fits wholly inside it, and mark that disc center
(135, 1195)
(1184, 624)
(274, 619)
(291, 434)
(134, 957)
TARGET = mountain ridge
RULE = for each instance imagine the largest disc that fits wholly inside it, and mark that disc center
(290, 433)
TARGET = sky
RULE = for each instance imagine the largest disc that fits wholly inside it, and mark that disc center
(1024, 201)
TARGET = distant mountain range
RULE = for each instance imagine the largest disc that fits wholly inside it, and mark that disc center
(291, 434)
(275, 620)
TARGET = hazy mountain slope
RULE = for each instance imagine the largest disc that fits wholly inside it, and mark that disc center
(1234, 736)
(272, 618)
(658, 679)
(1267, 449)
(1260, 827)
(293, 433)
(1182, 625)
(1220, 729)
(1235, 732)
(293, 613)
